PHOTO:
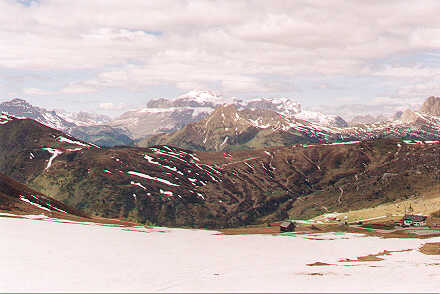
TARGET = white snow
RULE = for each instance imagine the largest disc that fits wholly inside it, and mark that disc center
(66, 140)
(317, 117)
(225, 141)
(54, 152)
(166, 192)
(152, 161)
(416, 142)
(138, 174)
(202, 96)
(258, 123)
(4, 119)
(137, 259)
(74, 149)
(138, 184)
(22, 198)
(343, 143)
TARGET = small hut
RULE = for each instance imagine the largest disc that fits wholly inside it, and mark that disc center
(288, 226)
(414, 220)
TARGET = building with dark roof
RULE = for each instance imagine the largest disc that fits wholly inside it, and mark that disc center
(287, 226)
(414, 220)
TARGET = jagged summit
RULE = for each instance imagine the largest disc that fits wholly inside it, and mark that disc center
(85, 126)
(17, 101)
(164, 115)
(431, 106)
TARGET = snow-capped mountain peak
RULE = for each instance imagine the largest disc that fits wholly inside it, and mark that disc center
(201, 96)
(83, 118)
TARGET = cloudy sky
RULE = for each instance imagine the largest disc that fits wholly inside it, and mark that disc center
(112, 55)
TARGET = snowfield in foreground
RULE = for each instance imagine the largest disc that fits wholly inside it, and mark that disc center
(49, 256)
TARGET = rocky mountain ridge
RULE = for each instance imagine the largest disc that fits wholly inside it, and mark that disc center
(167, 115)
(172, 186)
(229, 128)
(86, 126)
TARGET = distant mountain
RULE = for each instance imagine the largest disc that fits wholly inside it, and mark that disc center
(228, 128)
(21, 108)
(85, 126)
(431, 106)
(369, 119)
(83, 118)
(103, 135)
(172, 186)
(293, 110)
(169, 115)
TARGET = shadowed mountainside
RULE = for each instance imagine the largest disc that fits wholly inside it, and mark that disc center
(176, 187)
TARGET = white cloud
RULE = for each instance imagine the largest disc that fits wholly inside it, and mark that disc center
(200, 43)
(112, 106)
(421, 89)
(36, 91)
(77, 88)
(416, 71)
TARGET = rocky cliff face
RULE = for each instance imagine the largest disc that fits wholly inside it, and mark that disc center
(431, 106)
(228, 128)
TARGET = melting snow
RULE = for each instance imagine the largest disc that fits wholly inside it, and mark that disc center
(152, 161)
(343, 143)
(224, 142)
(66, 140)
(138, 184)
(151, 178)
(166, 192)
(247, 268)
(4, 119)
(54, 152)
(22, 198)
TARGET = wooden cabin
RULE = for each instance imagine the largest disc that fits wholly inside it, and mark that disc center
(414, 220)
(288, 226)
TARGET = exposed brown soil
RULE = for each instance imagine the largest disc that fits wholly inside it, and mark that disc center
(322, 228)
(62, 216)
(369, 257)
(318, 263)
(372, 257)
(430, 248)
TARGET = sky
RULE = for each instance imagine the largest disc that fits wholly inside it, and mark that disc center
(108, 56)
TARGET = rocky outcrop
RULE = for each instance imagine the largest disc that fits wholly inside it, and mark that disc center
(431, 106)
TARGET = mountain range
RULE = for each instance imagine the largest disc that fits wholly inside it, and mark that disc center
(87, 126)
(172, 186)
(167, 115)
(203, 120)
(229, 128)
